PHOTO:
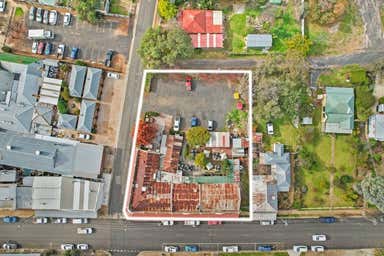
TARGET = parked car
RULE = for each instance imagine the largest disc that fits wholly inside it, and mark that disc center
(84, 231)
(167, 223)
(113, 75)
(10, 219)
(380, 108)
(193, 223)
(48, 49)
(41, 220)
(319, 238)
(3, 3)
(171, 248)
(45, 16)
(40, 48)
(82, 247)
(317, 248)
(35, 45)
(266, 222)
(108, 58)
(265, 248)
(84, 136)
(176, 124)
(300, 248)
(32, 12)
(52, 17)
(39, 15)
(270, 128)
(188, 83)
(60, 221)
(10, 245)
(214, 222)
(327, 219)
(231, 248)
(67, 19)
(210, 126)
(60, 51)
(67, 247)
(80, 221)
(194, 121)
(74, 53)
(191, 248)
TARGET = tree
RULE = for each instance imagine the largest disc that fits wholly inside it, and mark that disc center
(62, 106)
(86, 10)
(201, 160)
(72, 253)
(226, 167)
(163, 47)
(197, 136)
(166, 9)
(372, 189)
(147, 132)
(299, 44)
(206, 4)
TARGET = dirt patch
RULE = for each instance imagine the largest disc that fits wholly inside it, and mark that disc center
(122, 28)
(119, 61)
(18, 213)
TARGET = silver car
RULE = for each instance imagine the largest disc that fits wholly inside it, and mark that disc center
(46, 17)
(39, 15)
(53, 17)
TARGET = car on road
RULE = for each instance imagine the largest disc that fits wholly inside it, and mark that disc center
(82, 247)
(60, 221)
(193, 223)
(84, 231)
(231, 248)
(67, 19)
(170, 248)
(45, 16)
(48, 49)
(10, 219)
(52, 17)
(60, 51)
(210, 126)
(40, 48)
(67, 247)
(188, 83)
(113, 75)
(214, 222)
(300, 248)
(176, 124)
(80, 221)
(9, 245)
(327, 219)
(191, 248)
(270, 128)
(167, 222)
(40, 220)
(39, 15)
(317, 248)
(264, 248)
(194, 121)
(32, 12)
(35, 45)
(108, 58)
(319, 238)
(3, 3)
(74, 53)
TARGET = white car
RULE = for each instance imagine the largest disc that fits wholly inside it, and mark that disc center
(113, 75)
(35, 46)
(82, 247)
(67, 247)
(53, 17)
(167, 223)
(231, 248)
(41, 220)
(317, 248)
(2, 5)
(84, 136)
(171, 248)
(192, 223)
(319, 238)
(10, 245)
(67, 19)
(60, 221)
(300, 248)
(80, 221)
(84, 231)
(176, 124)
(210, 125)
(270, 128)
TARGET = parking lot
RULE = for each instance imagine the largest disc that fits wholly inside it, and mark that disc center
(208, 100)
(92, 40)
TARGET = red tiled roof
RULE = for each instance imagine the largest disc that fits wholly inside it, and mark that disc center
(207, 40)
(199, 21)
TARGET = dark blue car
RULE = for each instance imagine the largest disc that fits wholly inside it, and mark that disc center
(74, 53)
(48, 49)
(194, 121)
(327, 219)
(265, 248)
(10, 219)
(191, 248)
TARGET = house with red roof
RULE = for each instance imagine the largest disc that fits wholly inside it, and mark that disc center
(205, 27)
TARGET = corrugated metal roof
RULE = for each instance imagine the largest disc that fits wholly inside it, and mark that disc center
(8, 175)
(76, 80)
(87, 112)
(8, 196)
(67, 121)
(92, 83)
(259, 40)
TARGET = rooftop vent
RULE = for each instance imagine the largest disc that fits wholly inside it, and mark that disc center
(37, 152)
(9, 147)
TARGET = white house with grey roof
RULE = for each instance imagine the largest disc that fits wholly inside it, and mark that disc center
(76, 80)
(376, 127)
(92, 83)
(261, 41)
(56, 155)
(280, 166)
(87, 113)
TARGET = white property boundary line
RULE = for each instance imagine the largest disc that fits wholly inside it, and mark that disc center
(133, 149)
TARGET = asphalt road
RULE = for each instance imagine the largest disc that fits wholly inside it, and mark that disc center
(134, 76)
(128, 237)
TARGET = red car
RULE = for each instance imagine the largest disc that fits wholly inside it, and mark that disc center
(40, 48)
(188, 83)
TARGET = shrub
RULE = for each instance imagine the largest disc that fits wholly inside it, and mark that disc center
(80, 63)
(6, 49)
(197, 136)
(166, 9)
(381, 100)
(65, 94)
(201, 160)
(62, 106)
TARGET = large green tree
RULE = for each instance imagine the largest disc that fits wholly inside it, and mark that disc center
(197, 136)
(201, 160)
(86, 10)
(299, 44)
(163, 47)
(166, 9)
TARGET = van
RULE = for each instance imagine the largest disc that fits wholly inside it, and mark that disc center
(80, 221)
(300, 248)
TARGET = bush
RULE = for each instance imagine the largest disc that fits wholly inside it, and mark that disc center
(377, 158)
(201, 160)
(62, 106)
(151, 114)
(80, 63)
(65, 94)
(6, 49)
(381, 100)
(166, 9)
(197, 136)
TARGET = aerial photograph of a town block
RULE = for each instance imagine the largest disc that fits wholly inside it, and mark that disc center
(191, 127)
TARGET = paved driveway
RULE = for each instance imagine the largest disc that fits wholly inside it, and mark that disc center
(207, 101)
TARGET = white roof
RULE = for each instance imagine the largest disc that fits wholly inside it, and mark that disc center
(48, 100)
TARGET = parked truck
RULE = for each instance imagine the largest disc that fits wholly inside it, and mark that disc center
(40, 34)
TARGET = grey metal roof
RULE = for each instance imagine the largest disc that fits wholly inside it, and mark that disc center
(24, 198)
(87, 113)
(43, 115)
(8, 196)
(8, 175)
(76, 80)
(92, 83)
(50, 154)
(376, 127)
(259, 40)
(265, 203)
(67, 121)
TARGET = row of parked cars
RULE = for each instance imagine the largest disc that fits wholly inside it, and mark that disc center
(194, 122)
(48, 16)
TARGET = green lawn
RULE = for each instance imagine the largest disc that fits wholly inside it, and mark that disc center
(116, 8)
(338, 76)
(317, 182)
(345, 155)
(17, 58)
